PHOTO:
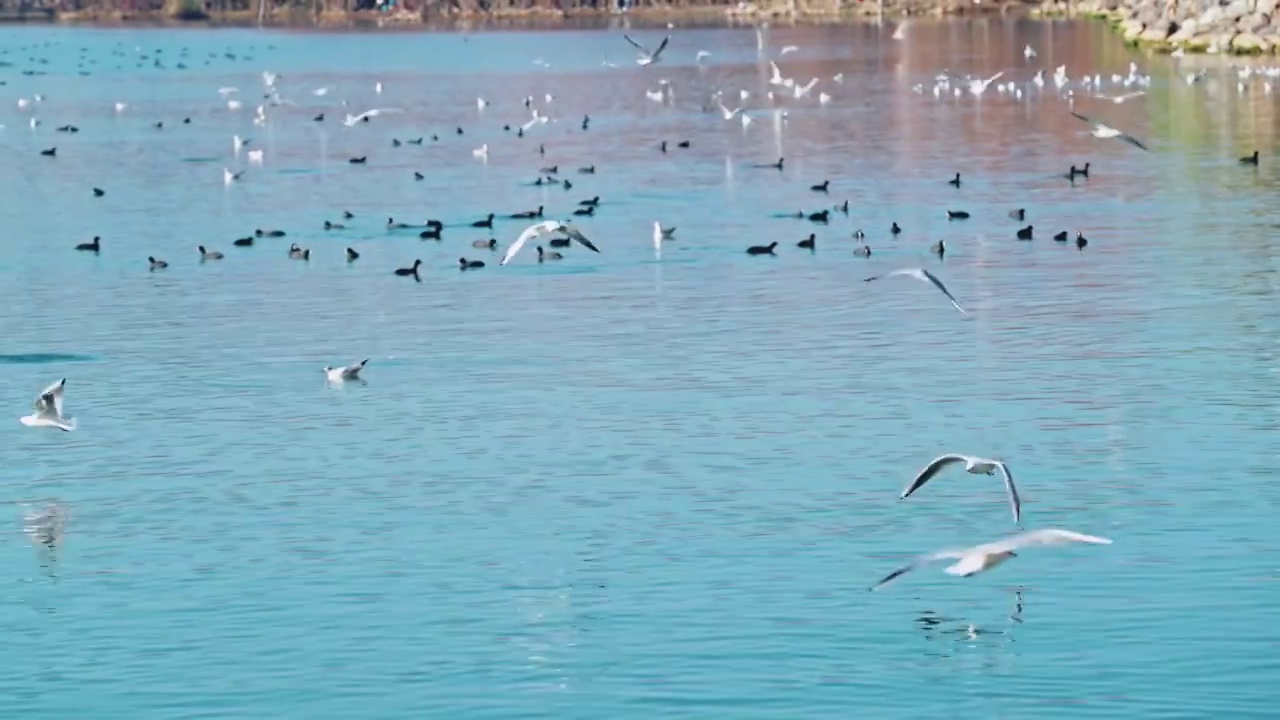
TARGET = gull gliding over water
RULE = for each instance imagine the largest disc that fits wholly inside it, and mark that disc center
(48, 410)
(973, 466)
(546, 228)
(1106, 132)
(973, 560)
(364, 116)
(924, 276)
(646, 57)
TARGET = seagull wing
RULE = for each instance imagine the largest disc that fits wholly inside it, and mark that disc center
(635, 44)
(529, 233)
(657, 236)
(926, 276)
(919, 563)
(1134, 141)
(1009, 487)
(661, 47)
(49, 404)
(777, 74)
(933, 468)
(993, 78)
(573, 232)
(1035, 538)
(938, 284)
(1081, 117)
(353, 371)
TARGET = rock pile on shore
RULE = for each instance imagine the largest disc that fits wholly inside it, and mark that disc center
(1230, 26)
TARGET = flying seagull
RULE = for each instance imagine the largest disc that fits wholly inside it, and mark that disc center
(646, 57)
(352, 120)
(348, 372)
(924, 276)
(48, 410)
(1117, 99)
(1105, 132)
(974, 560)
(973, 466)
(546, 228)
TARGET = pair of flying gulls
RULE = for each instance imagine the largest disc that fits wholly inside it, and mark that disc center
(973, 560)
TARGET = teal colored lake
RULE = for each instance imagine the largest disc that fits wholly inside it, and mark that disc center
(623, 485)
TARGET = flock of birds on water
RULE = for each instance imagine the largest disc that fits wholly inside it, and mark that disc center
(46, 524)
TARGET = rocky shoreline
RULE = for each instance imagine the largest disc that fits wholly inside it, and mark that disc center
(1243, 27)
(1239, 27)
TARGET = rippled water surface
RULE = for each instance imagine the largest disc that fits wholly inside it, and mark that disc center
(619, 486)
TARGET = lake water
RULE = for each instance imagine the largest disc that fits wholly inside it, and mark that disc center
(620, 486)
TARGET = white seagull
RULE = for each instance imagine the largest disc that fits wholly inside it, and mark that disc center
(726, 112)
(924, 276)
(1120, 98)
(1106, 132)
(546, 228)
(973, 466)
(646, 57)
(254, 156)
(346, 372)
(974, 560)
(364, 116)
(658, 235)
(229, 177)
(48, 410)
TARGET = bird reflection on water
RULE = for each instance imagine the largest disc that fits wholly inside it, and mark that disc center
(938, 627)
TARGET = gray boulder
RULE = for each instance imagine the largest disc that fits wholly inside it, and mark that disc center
(1156, 32)
(1236, 10)
(1249, 43)
(1251, 23)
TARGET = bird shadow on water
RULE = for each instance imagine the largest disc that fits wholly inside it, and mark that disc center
(43, 358)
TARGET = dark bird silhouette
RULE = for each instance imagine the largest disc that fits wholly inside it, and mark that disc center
(411, 271)
(762, 249)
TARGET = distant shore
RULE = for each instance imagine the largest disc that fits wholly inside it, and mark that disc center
(464, 15)
(1245, 27)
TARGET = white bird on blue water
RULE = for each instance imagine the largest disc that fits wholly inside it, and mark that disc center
(973, 466)
(973, 560)
(547, 227)
(646, 57)
(48, 410)
(346, 372)
(924, 276)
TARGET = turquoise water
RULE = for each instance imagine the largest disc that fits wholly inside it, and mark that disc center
(620, 486)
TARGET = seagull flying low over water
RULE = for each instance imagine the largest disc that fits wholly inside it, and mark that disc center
(352, 120)
(974, 560)
(646, 57)
(1106, 132)
(924, 276)
(546, 228)
(48, 410)
(347, 372)
(973, 466)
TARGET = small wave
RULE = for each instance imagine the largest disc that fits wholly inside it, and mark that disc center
(43, 358)
(199, 159)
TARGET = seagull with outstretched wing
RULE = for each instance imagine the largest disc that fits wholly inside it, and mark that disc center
(646, 57)
(1106, 132)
